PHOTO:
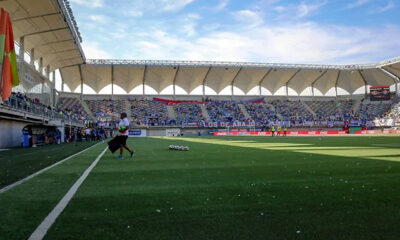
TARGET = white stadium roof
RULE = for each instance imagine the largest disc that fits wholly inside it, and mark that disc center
(48, 27)
(218, 75)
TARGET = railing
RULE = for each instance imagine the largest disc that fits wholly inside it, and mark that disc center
(21, 105)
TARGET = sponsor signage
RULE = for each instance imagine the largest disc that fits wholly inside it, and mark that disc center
(173, 132)
(309, 133)
(292, 133)
(137, 133)
(228, 124)
(380, 93)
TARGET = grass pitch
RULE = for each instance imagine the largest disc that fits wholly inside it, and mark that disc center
(223, 188)
(18, 163)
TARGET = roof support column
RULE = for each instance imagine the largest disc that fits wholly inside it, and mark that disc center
(174, 82)
(144, 80)
(233, 81)
(53, 86)
(365, 83)
(41, 74)
(313, 83)
(336, 83)
(42, 90)
(32, 62)
(48, 72)
(288, 81)
(396, 79)
(21, 48)
(41, 65)
(262, 80)
(112, 81)
(81, 76)
(204, 91)
(287, 89)
(204, 83)
(62, 81)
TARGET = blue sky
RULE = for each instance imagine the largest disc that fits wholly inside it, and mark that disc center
(282, 31)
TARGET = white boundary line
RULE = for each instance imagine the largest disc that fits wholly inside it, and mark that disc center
(42, 229)
(12, 185)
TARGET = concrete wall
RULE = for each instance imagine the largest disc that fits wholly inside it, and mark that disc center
(156, 132)
(185, 131)
(10, 133)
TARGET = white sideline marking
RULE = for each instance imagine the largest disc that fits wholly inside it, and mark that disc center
(12, 185)
(42, 229)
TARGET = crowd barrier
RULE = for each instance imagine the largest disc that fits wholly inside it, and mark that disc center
(304, 133)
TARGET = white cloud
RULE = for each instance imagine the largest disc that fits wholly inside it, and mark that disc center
(298, 43)
(98, 18)
(190, 29)
(304, 10)
(390, 5)
(153, 7)
(248, 17)
(295, 11)
(133, 13)
(89, 3)
(93, 51)
(357, 4)
(220, 6)
(174, 5)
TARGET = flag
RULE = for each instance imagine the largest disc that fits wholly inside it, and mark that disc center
(8, 56)
(3, 31)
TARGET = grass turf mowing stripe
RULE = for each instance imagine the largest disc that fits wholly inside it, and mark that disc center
(42, 229)
(18, 163)
(25, 206)
(239, 188)
(6, 188)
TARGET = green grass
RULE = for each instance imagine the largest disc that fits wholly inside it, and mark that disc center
(24, 207)
(19, 163)
(223, 188)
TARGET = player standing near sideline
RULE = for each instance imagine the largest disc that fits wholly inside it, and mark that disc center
(284, 131)
(279, 130)
(273, 130)
(123, 127)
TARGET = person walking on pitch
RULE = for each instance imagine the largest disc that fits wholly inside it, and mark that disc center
(123, 127)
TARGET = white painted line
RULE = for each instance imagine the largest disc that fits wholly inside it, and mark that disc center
(42, 229)
(12, 185)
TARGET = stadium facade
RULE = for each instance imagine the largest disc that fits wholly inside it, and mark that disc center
(49, 40)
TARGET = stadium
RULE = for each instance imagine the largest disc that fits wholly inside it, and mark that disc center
(222, 150)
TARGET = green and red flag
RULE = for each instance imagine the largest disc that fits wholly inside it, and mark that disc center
(7, 55)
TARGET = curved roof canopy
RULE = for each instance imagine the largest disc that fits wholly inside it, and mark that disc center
(47, 27)
(218, 75)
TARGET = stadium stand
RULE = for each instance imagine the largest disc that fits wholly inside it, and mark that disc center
(292, 110)
(297, 113)
(371, 110)
(333, 110)
(72, 106)
(145, 112)
(106, 107)
(188, 114)
(261, 113)
(224, 111)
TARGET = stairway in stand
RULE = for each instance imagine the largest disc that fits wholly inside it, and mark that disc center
(171, 112)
